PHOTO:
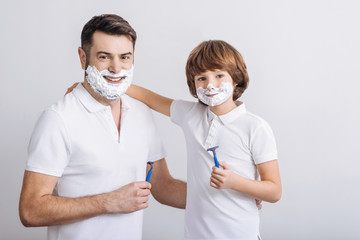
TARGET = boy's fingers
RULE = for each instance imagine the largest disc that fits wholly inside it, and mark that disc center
(224, 165)
(214, 185)
(216, 179)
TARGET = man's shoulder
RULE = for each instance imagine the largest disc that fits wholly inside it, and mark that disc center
(65, 105)
(135, 104)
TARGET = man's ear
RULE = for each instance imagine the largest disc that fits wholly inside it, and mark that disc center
(82, 57)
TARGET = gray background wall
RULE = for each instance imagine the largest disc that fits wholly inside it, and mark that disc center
(303, 61)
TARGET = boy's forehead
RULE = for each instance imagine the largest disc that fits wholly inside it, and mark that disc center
(209, 71)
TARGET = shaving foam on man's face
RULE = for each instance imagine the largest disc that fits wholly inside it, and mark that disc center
(114, 86)
(212, 96)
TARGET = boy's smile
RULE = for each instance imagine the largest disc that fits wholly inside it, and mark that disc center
(215, 89)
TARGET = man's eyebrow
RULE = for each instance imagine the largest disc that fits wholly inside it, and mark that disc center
(102, 52)
(128, 53)
(107, 53)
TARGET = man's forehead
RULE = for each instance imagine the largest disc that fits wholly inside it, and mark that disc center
(109, 43)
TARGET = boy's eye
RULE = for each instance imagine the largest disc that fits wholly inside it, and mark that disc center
(220, 75)
(201, 79)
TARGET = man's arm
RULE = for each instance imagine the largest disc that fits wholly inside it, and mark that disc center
(153, 100)
(165, 188)
(38, 207)
(268, 189)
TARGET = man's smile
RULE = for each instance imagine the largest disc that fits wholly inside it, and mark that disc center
(113, 80)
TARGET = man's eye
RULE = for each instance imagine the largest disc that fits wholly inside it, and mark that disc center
(104, 57)
(126, 58)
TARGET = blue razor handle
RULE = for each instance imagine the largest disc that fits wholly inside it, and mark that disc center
(150, 171)
(216, 161)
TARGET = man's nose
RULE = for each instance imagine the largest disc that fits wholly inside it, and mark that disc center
(115, 66)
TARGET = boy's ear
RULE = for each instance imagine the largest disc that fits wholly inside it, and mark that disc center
(82, 57)
(235, 85)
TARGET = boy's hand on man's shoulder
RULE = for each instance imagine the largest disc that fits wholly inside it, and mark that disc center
(70, 89)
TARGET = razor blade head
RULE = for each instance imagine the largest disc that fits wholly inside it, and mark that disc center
(212, 148)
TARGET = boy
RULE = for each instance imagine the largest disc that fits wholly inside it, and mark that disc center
(225, 209)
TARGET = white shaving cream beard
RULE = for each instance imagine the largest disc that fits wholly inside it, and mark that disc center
(223, 93)
(108, 90)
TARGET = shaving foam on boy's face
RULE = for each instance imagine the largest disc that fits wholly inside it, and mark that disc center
(212, 96)
(114, 86)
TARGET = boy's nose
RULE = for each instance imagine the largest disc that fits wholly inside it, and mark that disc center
(210, 86)
(212, 83)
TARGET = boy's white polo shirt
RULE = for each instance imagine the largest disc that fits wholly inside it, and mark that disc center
(77, 140)
(244, 140)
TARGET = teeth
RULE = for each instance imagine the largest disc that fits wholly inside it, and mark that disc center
(114, 79)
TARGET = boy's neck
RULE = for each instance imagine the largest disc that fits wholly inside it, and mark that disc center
(224, 108)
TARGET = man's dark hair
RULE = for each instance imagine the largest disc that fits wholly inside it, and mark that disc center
(108, 23)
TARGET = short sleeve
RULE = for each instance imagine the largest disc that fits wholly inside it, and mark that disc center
(48, 150)
(179, 111)
(156, 150)
(263, 144)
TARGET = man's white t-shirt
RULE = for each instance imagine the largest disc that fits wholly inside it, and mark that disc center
(77, 140)
(244, 140)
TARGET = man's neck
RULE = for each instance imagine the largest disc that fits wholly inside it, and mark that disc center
(112, 103)
(115, 105)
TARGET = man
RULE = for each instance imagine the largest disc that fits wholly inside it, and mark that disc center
(87, 156)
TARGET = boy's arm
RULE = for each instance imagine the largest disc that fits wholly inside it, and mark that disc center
(70, 89)
(268, 189)
(165, 188)
(155, 101)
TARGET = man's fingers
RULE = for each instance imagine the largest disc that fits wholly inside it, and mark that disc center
(143, 199)
(143, 206)
(143, 184)
(144, 192)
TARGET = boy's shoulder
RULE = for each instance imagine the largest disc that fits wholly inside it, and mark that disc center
(254, 118)
(187, 106)
(252, 121)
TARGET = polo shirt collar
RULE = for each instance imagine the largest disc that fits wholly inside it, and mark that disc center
(91, 104)
(125, 102)
(230, 116)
